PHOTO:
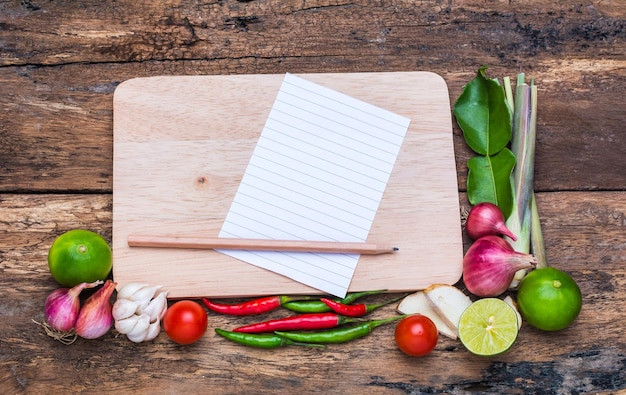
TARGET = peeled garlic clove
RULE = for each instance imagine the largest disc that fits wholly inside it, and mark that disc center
(146, 293)
(129, 289)
(155, 308)
(153, 331)
(126, 325)
(124, 308)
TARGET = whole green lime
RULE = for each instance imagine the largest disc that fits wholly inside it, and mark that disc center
(549, 299)
(79, 256)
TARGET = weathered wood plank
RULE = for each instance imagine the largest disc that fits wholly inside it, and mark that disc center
(567, 362)
(422, 33)
(55, 120)
(56, 128)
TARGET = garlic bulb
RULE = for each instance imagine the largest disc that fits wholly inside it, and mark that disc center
(138, 311)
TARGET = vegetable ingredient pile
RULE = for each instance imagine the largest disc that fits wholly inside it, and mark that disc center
(500, 187)
(507, 255)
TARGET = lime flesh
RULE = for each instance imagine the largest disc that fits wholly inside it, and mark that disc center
(488, 327)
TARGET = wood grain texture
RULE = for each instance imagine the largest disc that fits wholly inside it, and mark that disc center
(489, 33)
(181, 147)
(49, 109)
(60, 93)
(60, 62)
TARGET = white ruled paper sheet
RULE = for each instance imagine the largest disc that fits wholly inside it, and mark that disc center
(318, 172)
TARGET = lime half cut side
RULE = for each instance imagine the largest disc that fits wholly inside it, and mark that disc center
(488, 327)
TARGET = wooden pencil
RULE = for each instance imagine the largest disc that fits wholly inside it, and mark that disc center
(221, 243)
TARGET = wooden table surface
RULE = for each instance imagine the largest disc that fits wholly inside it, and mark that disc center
(60, 62)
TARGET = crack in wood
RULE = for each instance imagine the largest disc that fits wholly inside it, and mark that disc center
(581, 372)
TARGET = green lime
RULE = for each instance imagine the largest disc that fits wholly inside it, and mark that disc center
(488, 327)
(549, 299)
(79, 256)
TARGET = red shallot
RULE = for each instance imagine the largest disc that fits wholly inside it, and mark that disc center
(95, 317)
(500, 241)
(486, 219)
(490, 264)
(62, 306)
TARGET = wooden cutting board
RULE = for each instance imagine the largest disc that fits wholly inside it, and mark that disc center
(181, 147)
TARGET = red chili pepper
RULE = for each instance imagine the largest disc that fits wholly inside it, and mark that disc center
(256, 306)
(355, 310)
(297, 322)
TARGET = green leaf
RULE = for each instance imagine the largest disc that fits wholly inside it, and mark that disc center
(483, 115)
(489, 180)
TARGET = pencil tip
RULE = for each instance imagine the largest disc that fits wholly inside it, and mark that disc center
(395, 248)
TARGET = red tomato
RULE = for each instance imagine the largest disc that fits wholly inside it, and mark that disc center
(185, 322)
(416, 335)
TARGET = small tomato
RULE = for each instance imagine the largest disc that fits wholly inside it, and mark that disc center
(416, 335)
(185, 322)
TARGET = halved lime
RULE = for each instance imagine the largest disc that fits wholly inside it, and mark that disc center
(488, 327)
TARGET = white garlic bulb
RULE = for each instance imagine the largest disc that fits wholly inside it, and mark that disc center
(138, 311)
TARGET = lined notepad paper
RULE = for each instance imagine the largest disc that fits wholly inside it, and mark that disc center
(318, 172)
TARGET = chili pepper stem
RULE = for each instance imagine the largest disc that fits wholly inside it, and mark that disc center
(390, 301)
(351, 297)
(357, 310)
(376, 323)
(317, 306)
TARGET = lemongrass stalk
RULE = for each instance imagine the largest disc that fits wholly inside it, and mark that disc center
(509, 93)
(536, 235)
(523, 147)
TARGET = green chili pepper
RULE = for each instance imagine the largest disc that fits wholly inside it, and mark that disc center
(338, 335)
(317, 306)
(261, 340)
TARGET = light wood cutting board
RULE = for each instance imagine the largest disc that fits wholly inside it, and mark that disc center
(181, 147)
